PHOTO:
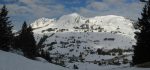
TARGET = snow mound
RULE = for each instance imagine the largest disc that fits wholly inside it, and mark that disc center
(10, 61)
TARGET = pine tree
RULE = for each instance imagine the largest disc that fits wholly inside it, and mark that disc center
(142, 47)
(22, 37)
(6, 34)
(75, 67)
(27, 42)
(143, 0)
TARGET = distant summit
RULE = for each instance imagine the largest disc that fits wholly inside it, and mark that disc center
(76, 23)
(41, 22)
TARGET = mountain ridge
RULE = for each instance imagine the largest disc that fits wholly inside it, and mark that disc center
(76, 23)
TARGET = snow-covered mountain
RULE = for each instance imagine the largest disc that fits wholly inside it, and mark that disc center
(74, 37)
(76, 23)
(42, 22)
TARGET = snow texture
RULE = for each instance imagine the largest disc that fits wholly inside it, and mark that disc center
(10, 61)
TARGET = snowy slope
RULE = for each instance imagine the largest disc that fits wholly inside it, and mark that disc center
(10, 61)
(92, 30)
(73, 35)
(90, 39)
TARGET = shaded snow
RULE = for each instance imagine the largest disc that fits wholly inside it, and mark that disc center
(10, 61)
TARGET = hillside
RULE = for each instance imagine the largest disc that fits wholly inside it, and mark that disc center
(75, 39)
(101, 27)
(11, 61)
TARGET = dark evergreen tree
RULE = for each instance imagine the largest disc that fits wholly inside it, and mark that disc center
(143, 0)
(16, 43)
(75, 67)
(99, 51)
(6, 34)
(27, 42)
(46, 55)
(142, 47)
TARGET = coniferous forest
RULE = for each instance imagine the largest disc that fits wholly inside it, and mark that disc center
(24, 42)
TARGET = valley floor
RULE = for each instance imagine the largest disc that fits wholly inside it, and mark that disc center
(11, 61)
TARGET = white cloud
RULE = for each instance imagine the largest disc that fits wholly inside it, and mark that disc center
(31, 10)
(113, 1)
(98, 6)
(49, 8)
(52, 8)
(16, 9)
(113, 7)
(38, 10)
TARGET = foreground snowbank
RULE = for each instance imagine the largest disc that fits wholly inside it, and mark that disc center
(10, 61)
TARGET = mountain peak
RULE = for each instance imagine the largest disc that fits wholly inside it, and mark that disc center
(42, 22)
(74, 14)
(75, 22)
(43, 19)
(69, 16)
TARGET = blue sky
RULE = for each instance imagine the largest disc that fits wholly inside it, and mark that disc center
(30, 10)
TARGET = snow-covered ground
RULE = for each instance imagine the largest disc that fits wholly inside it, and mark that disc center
(11, 61)
(73, 40)
(73, 35)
